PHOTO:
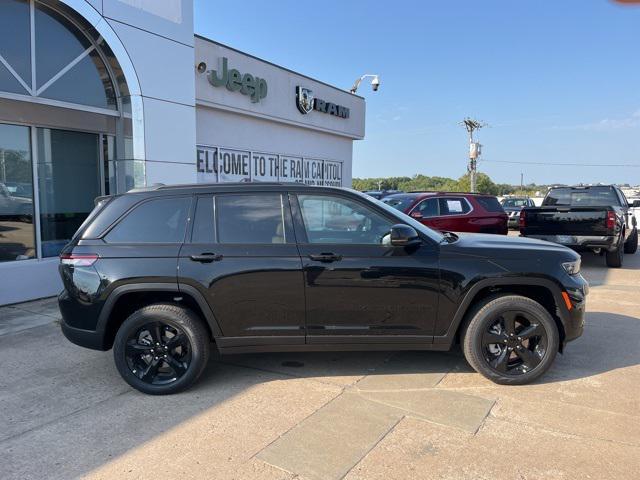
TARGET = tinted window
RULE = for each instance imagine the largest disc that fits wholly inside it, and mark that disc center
(514, 202)
(587, 197)
(250, 218)
(429, 207)
(491, 204)
(203, 222)
(399, 202)
(453, 206)
(339, 220)
(161, 220)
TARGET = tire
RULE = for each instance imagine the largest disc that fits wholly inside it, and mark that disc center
(631, 245)
(172, 363)
(614, 258)
(488, 321)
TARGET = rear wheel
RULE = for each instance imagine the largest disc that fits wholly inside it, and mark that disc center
(631, 245)
(614, 258)
(511, 340)
(161, 349)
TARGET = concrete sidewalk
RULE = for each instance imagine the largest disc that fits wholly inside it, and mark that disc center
(380, 415)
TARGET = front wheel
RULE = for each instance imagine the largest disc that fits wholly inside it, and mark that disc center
(511, 340)
(161, 349)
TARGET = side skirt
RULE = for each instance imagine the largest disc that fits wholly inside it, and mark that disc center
(333, 347)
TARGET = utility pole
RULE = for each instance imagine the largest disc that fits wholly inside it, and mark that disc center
(521, 183)
(474, 149)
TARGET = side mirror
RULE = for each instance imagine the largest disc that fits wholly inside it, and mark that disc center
(416, 214)
(635, 204)
(404, 236)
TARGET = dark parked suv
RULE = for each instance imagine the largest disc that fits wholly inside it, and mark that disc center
(159, 274)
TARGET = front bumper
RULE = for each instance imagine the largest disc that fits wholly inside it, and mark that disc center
(573, 318)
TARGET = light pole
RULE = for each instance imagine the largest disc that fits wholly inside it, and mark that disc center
(375, 82)
(474, 149)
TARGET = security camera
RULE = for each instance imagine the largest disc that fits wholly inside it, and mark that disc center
(201, 67)
(375, 83)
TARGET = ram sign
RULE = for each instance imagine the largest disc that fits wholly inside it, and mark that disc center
(218, 164)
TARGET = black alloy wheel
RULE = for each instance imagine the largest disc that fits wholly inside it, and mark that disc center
(158, 354)
(510, 339)
(162, 349)
(514, 343)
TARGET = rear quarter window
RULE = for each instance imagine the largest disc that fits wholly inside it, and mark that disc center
(161, 220)
(490, 204)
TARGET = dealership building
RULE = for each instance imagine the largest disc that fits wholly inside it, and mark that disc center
(101, 96)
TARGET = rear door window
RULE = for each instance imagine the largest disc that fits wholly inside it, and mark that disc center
(254, 219)
(453, 206)
(491, 204)
(161, 220)
(204, 224)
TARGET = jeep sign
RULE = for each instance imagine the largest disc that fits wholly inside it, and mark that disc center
(246, 84)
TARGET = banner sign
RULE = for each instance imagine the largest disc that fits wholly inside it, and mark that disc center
(218, 165)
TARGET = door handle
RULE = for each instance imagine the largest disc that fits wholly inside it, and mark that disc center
(325, 257)
(206, 257)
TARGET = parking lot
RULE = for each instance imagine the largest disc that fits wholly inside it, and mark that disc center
(66, 413)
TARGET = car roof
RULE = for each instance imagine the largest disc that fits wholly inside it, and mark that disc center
(229, 187)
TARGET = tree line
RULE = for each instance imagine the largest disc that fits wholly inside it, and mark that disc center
(426, 183)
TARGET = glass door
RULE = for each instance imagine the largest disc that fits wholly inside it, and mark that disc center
(69, 179)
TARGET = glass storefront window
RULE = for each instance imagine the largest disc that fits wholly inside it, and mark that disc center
(15, 37)
(68, 183)
(17, 240)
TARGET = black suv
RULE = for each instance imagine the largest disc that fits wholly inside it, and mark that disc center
(160, 273)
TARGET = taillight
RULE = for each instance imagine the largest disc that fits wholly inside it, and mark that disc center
(611, 220)
(523, 219)
(78, 260)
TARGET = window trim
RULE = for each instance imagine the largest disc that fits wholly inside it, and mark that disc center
(127, 212)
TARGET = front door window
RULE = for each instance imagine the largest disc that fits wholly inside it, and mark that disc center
(341, 221)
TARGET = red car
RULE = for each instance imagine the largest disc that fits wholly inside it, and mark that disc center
(451, 211)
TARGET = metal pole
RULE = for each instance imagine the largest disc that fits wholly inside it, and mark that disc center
(472, 164)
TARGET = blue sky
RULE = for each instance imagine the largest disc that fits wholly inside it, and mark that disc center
(557, 81)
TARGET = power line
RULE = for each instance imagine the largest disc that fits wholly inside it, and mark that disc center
(626, 165)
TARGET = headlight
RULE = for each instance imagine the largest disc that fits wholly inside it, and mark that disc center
(572, 268)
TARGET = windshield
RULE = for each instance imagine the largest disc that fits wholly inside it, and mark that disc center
(578, 197)
(432, 234)
(399, 202)
(514, 202)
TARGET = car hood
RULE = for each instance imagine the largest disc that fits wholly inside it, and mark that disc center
(503, 247)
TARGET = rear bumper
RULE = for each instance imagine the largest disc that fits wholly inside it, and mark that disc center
(580, 242)
(85, 338)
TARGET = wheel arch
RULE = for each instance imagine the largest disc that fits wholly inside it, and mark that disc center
(126, 299)
(544, 291)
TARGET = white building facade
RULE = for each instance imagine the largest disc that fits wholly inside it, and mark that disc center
(100, 96)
